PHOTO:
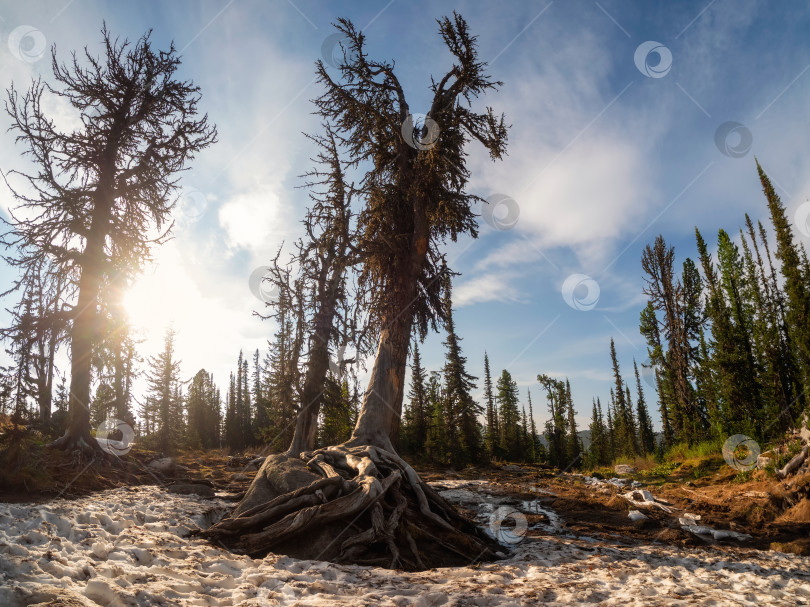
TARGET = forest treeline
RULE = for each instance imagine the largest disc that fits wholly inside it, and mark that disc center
(728, 341)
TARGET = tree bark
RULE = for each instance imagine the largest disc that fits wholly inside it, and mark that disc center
(85, 324)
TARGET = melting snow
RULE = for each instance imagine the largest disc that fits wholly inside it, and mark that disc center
(128, 547)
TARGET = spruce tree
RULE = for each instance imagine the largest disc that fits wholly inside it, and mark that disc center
(463, 434)
(797, 289)
(163, 382)
(509, 417)
(573, 446)
(623, 425)
(556, 425)
(417, 413)
(645, 430)
(492, 434)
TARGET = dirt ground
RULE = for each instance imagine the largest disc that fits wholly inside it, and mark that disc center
(775, 513)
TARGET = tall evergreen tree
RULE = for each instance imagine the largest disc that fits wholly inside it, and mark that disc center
(797, 291)
(556, 425)
(163, 384)
(623, 424)
(463, 433)
(509, 417)
(645, 430)
(574, 446)
(492, 434)
(418, 413)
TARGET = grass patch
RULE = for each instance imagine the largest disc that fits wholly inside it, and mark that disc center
(683, 451)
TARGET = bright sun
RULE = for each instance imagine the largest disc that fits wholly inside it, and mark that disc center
(163, 295)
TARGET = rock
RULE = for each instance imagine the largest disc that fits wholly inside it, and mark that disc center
(637, 515)
(624, 469)
(254, 464)
(163, 465)
(763, 462)
(192, 489)
(241, 477)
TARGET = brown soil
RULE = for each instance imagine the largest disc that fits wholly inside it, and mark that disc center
(775, 513)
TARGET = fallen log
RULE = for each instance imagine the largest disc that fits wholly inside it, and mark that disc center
(794, 464)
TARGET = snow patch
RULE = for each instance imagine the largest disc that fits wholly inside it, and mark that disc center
(130, 548)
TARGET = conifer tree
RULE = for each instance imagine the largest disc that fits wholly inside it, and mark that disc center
(556, 425)
(492, 434)
(418, 413)
(573, 446)
(645, 430)
(797, 291)
(509, 417)
(203, 411)
(463, 434)
(534, 447)
(623, 425)
(163, 384)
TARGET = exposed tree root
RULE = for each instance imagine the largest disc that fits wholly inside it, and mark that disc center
(76, 442)
(359, 504)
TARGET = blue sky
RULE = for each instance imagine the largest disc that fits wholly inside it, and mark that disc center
(602, 157)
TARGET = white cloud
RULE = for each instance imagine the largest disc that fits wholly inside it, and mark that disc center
(486, 287)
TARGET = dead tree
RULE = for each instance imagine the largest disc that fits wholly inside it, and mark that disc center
(38, 327)
(360, 502)
(324, 257)
(103, 193)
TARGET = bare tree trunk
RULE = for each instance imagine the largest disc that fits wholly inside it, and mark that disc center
(306, 424)
(85, 325)
(379, 416)
(382, 402)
